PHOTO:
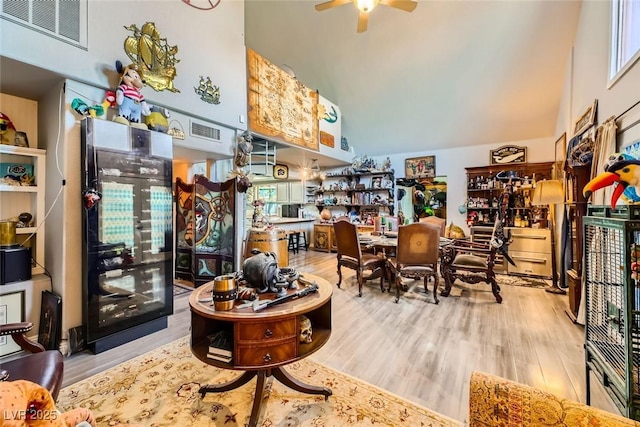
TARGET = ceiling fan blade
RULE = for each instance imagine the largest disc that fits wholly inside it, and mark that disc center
(329, 4)
(363, 21)
(406, 5)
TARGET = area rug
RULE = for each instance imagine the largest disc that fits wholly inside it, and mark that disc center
(181, 290)
(530, 282)
(160, 388)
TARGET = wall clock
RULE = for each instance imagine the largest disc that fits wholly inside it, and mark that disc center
(281, 171)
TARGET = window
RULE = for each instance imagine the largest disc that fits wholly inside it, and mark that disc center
(625, 37)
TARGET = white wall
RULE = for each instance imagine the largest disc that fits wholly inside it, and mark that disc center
(589, 77)
(210, 43)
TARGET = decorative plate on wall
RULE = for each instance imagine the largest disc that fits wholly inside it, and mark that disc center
(281, 171)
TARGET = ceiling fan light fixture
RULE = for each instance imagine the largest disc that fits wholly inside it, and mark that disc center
(366, 6)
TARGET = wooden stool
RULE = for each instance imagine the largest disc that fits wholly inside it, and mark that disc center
(294, 240)
(302, 239)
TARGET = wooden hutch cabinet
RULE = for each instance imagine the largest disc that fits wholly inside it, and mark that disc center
(527, 225)
(577, 177)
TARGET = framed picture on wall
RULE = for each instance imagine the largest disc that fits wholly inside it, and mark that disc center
(420, 167)
(560, 156)
(586, 119)
(11, 311)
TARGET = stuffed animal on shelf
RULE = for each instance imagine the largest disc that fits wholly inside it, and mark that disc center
(98, 110)
(158, 119)
(130, 100)
(7, 130)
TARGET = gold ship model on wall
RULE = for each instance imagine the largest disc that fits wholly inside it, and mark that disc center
(154, 56)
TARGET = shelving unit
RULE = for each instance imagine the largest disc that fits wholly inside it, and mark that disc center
(350, 191)
(484, 191)
(16, 199)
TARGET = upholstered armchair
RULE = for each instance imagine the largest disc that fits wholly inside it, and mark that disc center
(416, 255)
(496, 401)
(350, 255)
(470, 262)
(40, 366)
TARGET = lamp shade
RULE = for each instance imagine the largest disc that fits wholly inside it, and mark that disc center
(548, 192)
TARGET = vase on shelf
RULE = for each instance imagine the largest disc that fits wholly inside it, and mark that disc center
(325, 215)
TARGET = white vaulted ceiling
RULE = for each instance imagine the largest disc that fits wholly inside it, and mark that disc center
(451, 73)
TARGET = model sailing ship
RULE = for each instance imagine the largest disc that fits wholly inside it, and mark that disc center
(154, 56)
(208, 91)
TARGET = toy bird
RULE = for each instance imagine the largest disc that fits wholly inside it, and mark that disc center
(98, 110)
(622, 171)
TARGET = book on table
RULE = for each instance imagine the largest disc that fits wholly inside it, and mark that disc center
(221, 345)
(214, 356)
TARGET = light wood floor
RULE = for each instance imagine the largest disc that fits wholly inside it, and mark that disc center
(418, 350)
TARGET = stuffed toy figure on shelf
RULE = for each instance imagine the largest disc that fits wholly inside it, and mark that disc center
(130, 100)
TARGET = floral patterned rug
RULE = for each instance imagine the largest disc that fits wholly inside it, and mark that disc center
(160, 388)
(531, 282)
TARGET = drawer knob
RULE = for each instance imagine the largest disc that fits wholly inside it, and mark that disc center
(268, 333)
(267, 357)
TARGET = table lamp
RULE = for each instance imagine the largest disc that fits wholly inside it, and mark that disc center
(550, 192)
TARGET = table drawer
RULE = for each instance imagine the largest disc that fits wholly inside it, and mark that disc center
(534, 263)
(266, 331)
(526, 241)
(266, 355)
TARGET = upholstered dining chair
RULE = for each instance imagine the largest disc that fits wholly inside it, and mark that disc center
(436, 221)
(471, 262)
(44, 367)
(350, 255)
(416, 256)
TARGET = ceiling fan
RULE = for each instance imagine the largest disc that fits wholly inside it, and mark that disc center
(366, 6)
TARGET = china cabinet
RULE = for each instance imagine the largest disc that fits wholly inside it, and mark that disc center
(525, 225)
(484, 189)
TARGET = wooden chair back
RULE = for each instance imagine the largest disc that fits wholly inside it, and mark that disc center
(347, 242)
(436, 221)
(418, 244)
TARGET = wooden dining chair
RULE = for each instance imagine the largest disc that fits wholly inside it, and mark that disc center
(436, 221)
(416, 256)
(350, 255)
(471, 262)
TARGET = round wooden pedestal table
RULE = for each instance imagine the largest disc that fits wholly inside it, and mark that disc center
(263, 341)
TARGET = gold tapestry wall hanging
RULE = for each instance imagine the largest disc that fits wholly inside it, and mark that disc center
(155, 58)
(280, 106)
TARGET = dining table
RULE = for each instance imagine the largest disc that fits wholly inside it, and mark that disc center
(386, 244)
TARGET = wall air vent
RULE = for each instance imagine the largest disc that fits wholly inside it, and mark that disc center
(201, 130)
(64, 20)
